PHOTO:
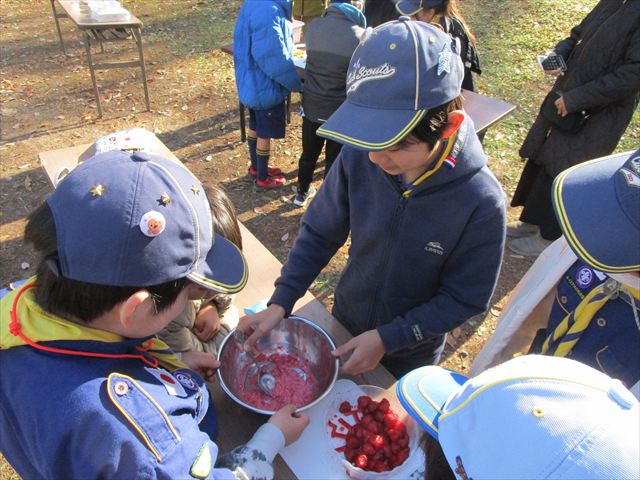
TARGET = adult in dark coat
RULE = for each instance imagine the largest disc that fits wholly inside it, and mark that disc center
(603, 81)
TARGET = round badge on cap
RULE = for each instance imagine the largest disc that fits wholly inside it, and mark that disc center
(152, 223)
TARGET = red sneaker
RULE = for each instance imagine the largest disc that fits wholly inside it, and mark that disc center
(271, 182)
(271, 171)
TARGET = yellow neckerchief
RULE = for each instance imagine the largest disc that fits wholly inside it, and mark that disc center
(570, 329)
(23, 322)
(449, 137)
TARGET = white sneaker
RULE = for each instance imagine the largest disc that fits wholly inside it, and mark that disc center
(531, 246)
(519, 229)
(301, 199)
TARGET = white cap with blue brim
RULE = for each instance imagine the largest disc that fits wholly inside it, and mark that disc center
(533, 417)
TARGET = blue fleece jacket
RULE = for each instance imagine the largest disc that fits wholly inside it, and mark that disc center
(263, 53)
(418, 266)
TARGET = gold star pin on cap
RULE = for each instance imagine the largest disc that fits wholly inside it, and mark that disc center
(97, 190)
(164, 199)
(195, 190)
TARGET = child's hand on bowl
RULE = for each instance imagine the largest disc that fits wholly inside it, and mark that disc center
(290, 423)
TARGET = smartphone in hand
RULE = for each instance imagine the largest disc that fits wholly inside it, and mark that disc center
(551, 63)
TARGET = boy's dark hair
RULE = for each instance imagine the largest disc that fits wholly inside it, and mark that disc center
(437, 466)
(431, 127)
(74, 300)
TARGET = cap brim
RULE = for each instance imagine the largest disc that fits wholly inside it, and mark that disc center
(369, 129)
(423, 393)
(587, 208)
(224, 270)
(407, 8)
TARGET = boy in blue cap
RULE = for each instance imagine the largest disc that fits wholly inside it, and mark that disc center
(531, 418)
(87, 391)
(411, 187)
(265, 75)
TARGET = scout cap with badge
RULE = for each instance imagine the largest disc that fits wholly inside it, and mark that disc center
(533, 417)
(400, 70)
(138, 219)
(597, 204)
(411, 7)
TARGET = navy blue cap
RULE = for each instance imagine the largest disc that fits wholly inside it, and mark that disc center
(400, 70)
(139, 219)
(597, 204)
(411, 7)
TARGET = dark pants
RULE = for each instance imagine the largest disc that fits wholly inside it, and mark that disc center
(311, 147)
(534, 194)
(399, 366)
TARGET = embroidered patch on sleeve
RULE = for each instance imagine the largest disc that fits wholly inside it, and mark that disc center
(201, 467)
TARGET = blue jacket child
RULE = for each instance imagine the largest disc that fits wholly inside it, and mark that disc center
(411, 187)
(263, 53)
(86, 391)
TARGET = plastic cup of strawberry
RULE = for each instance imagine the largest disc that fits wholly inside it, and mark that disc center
(371, 435)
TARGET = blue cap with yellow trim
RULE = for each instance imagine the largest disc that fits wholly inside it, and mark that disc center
(400, 70)
(137, 219)
(533, 417)
(597, 204)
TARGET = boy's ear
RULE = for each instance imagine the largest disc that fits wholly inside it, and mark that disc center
(133, 307)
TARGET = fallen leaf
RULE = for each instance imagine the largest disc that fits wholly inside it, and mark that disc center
(27, 182)
(209, 158)
(22, 167)
(60, 117)
(285, 237)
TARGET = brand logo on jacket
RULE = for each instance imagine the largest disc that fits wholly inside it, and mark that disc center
(417, 333)
(434, 247)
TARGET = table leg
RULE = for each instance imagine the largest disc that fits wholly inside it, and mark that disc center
(243, 128)
(87, 46)
(138, 36)
(55, 17)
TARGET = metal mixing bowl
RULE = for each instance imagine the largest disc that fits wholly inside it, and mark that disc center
(292, 335)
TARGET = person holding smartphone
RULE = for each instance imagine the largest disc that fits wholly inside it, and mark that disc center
(582, 118)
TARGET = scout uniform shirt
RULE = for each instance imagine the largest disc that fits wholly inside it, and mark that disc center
(86, 403)
(611, 340)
